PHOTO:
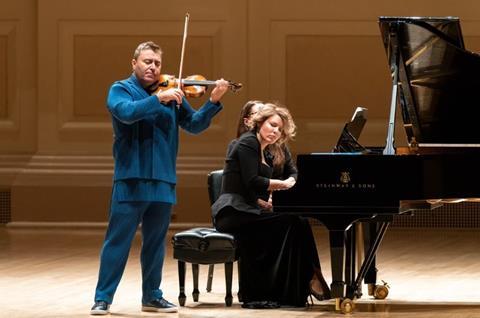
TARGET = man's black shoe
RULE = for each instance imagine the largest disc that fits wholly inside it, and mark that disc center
(100, 308)
(159, 305)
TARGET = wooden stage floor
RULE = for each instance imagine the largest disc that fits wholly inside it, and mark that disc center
(52, 273)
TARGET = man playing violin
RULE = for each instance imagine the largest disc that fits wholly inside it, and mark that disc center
(145, 148)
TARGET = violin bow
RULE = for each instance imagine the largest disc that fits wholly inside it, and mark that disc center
(185, 28)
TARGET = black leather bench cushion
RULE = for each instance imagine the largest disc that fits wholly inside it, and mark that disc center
(204, 246)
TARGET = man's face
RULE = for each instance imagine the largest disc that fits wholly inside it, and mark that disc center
(147, 67)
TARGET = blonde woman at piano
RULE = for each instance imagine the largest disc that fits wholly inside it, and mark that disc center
(279, 263)
(286, 168)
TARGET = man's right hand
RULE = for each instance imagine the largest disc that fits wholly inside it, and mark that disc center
(171, 94)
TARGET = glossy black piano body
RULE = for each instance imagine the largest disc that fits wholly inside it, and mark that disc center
(436, 84)
(372, 183)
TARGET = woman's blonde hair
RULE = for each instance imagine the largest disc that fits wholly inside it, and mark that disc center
(288, 132)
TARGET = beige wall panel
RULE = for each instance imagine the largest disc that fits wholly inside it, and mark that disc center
(60, 204)
(85, 113)
(471, 33)
(12, 108)
(472, 43)
(3, 78)
(62, 189)
(78, 188)
(322, 72)
(193, 205)
(192, 193)
(74, 119)
(318, 67)
(18, 77)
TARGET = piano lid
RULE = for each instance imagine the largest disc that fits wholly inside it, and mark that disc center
(439, 81)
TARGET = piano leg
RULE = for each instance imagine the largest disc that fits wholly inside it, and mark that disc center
(342, 252)
(370, 230)
(371, 253)
(337, 251)
(350, 262)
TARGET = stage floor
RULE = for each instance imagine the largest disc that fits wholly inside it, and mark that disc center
(52, 272)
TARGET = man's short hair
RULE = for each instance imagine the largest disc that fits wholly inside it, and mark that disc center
(149, 45)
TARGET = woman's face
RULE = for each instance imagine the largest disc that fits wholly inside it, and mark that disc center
(248, 120)
(271, 130)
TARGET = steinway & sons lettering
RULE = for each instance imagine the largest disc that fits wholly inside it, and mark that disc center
(345, 185)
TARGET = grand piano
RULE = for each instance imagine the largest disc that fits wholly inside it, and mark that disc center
(436, 86)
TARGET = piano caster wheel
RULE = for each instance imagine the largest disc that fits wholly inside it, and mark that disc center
(345, 305)
(381, 291)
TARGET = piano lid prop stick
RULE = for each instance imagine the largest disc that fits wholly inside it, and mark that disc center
(389, 149)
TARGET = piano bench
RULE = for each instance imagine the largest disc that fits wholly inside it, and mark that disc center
(204, 246)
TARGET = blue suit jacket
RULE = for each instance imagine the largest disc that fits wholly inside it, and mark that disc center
(146, 131)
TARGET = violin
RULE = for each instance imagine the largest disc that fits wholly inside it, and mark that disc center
(192, 86)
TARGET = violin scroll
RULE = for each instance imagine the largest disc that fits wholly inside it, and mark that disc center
(234, 87)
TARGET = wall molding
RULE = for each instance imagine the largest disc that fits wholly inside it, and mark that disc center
(85, 170)
(91, 225)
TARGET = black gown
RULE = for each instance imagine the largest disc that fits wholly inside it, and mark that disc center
(277, 251)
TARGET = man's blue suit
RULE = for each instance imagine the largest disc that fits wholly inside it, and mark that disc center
(145, 151)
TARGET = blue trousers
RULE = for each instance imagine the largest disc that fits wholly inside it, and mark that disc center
(123, 222)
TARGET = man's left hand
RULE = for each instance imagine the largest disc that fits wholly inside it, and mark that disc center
(219, 90)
